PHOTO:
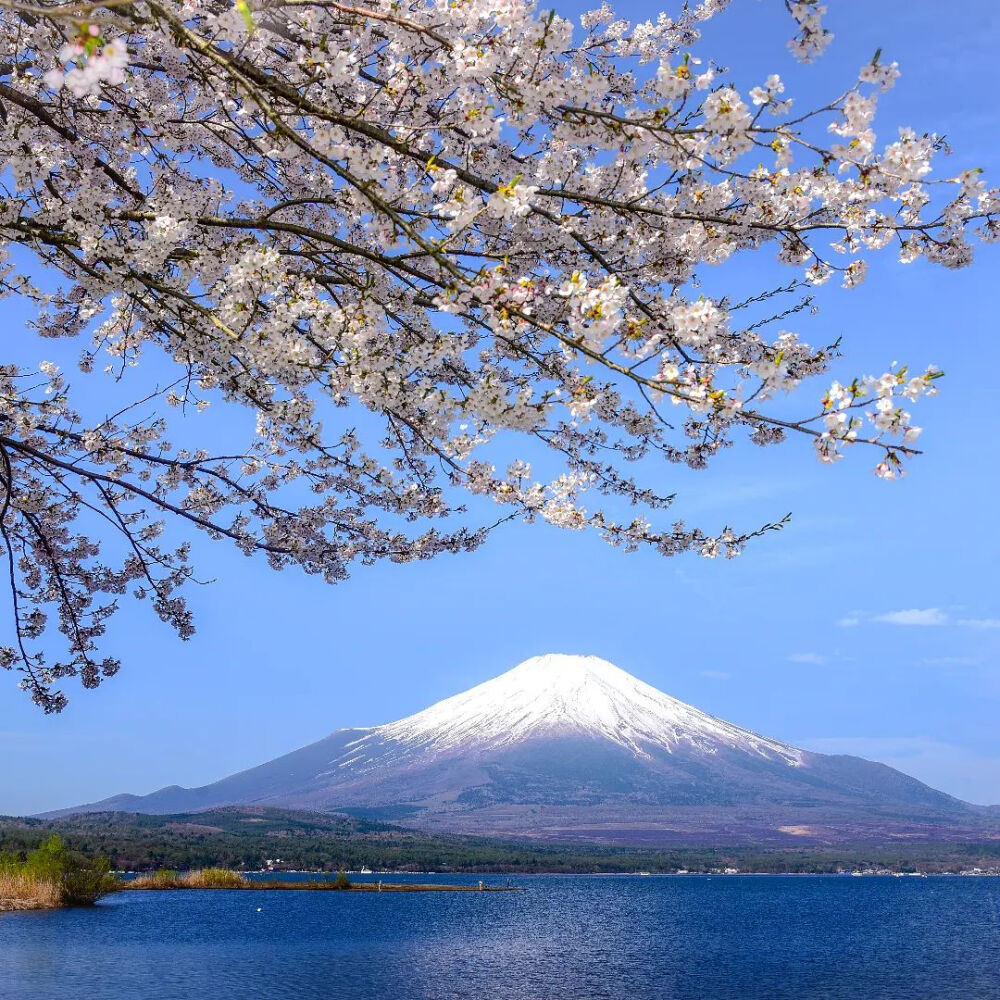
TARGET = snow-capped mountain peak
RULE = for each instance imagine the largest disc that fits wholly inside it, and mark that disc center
(560, 694)
(573, 748)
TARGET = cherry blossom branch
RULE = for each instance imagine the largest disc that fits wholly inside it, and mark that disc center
(405, 241)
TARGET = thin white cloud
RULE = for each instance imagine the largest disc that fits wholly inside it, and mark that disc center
(807, 658)
(922, 617)
(913, 616)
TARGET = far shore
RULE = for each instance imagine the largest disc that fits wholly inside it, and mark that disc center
(331, 887)
(42, 894)
(224, 878)
(53, 903)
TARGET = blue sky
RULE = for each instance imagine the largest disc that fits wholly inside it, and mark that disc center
(871, 625)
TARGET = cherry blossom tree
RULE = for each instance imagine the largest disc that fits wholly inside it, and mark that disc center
(468, 223)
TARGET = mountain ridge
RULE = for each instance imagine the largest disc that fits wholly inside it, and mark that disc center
(574, 748)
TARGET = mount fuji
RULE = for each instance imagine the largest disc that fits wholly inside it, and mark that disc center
(574, 748)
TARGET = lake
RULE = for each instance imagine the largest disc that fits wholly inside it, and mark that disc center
(565, 938)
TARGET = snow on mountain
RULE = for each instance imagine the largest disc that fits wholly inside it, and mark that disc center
(559, 694)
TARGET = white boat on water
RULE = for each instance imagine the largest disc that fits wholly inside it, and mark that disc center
(365, 870)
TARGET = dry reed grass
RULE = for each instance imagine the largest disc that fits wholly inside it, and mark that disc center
(205, 878)
(216, 878)
(223, 878)
(23, 891)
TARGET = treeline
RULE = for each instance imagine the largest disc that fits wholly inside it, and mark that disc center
(247, 839)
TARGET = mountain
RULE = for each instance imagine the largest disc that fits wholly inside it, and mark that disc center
(574, 748)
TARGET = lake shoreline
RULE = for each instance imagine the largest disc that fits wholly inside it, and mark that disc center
(286, 886)
(23, 906)
(8, 905)
(226, 878)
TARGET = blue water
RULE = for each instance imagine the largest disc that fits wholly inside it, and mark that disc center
(566, 938)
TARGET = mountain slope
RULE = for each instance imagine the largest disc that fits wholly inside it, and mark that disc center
(569, 747)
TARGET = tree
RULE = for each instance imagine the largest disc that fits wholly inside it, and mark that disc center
(421, 244)
(80, 880)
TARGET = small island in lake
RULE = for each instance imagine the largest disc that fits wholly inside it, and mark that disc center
(224, 878)
(53, 876)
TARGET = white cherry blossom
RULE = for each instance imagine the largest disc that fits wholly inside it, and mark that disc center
(418, 244)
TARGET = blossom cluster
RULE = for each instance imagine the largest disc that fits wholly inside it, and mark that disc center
(887, 417)
(88, 62)
(812, 38)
